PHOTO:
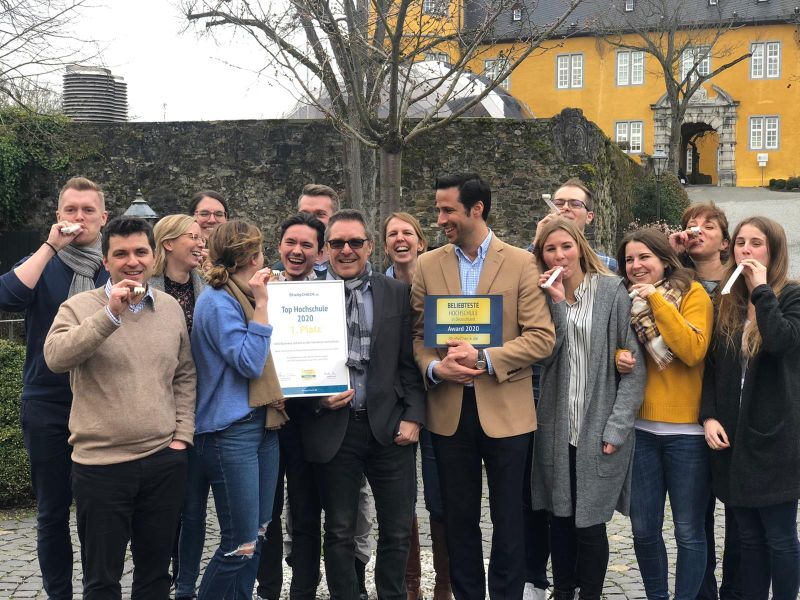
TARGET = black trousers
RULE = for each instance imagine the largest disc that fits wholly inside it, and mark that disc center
(45, 433)
(305, 507)
(137, 501)
(459, 458)
(391, 473)
(731, 587)
(580, 554)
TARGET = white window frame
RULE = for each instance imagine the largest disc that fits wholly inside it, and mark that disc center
(631, 132)
(630, 67)
(516, 13)
(765, 62)
(712, 2)
(689, 57)
(569, 71)
(492, 68)
(628, 5)
(764, 132)
(437, 8)
(440, 56)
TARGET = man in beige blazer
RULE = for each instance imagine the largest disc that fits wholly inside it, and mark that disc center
(480, 401)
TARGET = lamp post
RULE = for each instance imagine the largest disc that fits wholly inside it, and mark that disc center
(659, 164)
(140, 208)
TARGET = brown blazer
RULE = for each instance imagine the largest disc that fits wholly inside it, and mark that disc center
(505, 399)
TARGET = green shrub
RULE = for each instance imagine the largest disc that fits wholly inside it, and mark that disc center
(674, 199)
(15, 485)
(777, 184)
(793, 183)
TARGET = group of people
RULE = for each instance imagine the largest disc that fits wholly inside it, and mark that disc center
(149, 384)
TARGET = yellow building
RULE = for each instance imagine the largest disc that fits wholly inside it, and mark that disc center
(741, 128)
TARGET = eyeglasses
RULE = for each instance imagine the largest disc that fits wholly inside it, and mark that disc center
(355, 243)
(205, 214)
(572, 203)
(195, 237)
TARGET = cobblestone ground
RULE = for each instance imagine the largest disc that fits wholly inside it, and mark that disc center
(19, 570)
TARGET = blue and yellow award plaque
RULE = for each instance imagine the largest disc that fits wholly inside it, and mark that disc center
(474, 319)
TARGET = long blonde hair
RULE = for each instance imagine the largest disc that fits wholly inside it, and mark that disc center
(168, 228)
(733, 307)
(232, 245)
(590, 262)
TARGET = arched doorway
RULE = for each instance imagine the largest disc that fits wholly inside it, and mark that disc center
(700, 153)
(705, 115)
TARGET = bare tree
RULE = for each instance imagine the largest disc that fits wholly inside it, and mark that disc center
(686, 38)
(36, 40)
(357, 62)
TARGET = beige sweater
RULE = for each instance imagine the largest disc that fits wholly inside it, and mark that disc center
(133, 386)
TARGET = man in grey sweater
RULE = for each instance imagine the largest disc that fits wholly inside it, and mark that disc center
(126, 348)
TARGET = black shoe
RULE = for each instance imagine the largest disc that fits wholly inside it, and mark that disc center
(361, 575)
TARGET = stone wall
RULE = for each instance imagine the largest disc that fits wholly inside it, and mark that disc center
(261, 167)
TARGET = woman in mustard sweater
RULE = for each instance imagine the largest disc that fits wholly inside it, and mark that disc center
(673, 318)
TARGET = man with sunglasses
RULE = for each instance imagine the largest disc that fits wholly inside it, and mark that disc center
(369, 429)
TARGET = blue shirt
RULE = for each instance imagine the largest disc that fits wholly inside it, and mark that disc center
(358, 379)
(40, 306)
(228, 352)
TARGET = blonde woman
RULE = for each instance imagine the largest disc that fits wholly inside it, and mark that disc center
(583, 452)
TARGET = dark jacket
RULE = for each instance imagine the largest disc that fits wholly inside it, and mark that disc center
(40, 306)
(762, 465)
(395, 391)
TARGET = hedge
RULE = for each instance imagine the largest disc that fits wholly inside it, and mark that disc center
(15, 485)
(674, 199)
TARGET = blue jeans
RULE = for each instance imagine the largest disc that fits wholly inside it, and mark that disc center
(241, 463)
(770, 551)
(193, 527)
(677, 464)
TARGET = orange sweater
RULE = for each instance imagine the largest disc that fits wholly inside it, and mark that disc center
(673, 395)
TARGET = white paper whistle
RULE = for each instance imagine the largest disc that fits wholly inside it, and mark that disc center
(70, 229)
(138, 290)
(552, 278)
(553, 207)
(732, 280)
(632, 294)
(693, 231)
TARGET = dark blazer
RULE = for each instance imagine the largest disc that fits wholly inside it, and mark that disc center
(395, 391)
(762, 465)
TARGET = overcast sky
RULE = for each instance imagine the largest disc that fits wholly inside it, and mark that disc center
(172, 74)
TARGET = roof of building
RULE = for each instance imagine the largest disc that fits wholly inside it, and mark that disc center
(592, 16)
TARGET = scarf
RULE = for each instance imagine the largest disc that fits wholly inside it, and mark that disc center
(85, 262)
(357, 339)
(644, 324)
(265, 389)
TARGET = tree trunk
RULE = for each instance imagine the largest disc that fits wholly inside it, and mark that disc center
(391, 160)
(353, 181)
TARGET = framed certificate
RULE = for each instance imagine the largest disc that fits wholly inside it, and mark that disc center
(474, 319)
(309, 337)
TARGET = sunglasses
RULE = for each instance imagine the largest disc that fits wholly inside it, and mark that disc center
(355, 243)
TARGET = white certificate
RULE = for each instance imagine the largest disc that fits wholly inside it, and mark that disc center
(309, 336)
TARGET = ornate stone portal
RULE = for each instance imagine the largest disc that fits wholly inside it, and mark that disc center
(718, 112)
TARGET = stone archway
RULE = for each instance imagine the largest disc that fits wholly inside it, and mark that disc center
(718, 112)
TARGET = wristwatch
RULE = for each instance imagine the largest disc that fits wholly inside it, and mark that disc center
(480, 364)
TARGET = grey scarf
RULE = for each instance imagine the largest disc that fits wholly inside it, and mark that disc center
(85, 261)
(357, 339)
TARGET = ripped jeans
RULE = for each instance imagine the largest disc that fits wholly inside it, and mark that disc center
(241, 463)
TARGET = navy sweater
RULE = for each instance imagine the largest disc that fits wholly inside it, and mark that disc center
(40, 306)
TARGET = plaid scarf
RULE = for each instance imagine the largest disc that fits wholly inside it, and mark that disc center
(357, 338)
(644, 324)
(85, 262)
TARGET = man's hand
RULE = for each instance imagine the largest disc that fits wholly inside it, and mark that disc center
(178, 445)
(449, 369)
(542, 223)
(337, 401)
(122, 296)
(716, 438)
(59, 240)
(408, 433)
(467, 353)
(625, 362)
